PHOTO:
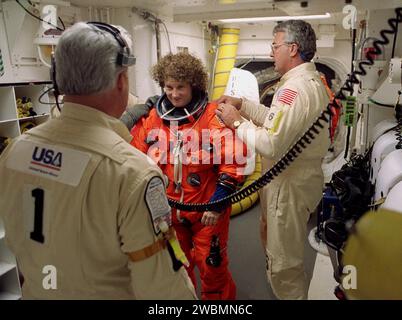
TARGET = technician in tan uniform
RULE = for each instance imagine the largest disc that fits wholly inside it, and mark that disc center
(83, 209)
(290, 198)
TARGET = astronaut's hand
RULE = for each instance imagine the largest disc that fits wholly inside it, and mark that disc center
(210, 218)
(133, 113)
(151, 101)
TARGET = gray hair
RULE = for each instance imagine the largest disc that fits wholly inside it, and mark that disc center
(86, 59)
(301, 33)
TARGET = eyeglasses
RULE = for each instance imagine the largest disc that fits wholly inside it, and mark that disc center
(274, 47)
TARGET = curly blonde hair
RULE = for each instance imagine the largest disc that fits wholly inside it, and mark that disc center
(181, 67)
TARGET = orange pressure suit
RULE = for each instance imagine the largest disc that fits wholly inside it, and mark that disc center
(206, 154)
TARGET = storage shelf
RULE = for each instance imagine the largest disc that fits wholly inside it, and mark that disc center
(25, 118)
(26, 83)
(8, 120)
(5, 267)
(33, 117)
(11, 127)
(21, 79)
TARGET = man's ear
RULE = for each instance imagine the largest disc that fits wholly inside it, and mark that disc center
(294, 49)
(121, 80)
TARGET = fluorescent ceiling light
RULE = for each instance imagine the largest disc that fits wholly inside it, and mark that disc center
(261, 19)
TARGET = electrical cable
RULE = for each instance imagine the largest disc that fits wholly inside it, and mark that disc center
(398, 134)
(154, 19)
(42, 94)
(211, 86)
(167, 34)
(345, 155)
(246, 63)
(297, 148)
(394, 43)
(381, 104)
(36, 17)
(56, 91)
(62, 23)
(398, 116)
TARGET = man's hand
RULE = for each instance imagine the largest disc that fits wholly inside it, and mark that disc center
(210, 218)
(228, 114)
(236, 102)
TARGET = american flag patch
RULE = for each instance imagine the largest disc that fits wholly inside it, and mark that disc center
(287, 96)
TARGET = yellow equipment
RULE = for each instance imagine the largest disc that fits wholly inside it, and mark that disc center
(4, 141)
(226, 59)
(25, 108)
(26, 125)
(374, 250)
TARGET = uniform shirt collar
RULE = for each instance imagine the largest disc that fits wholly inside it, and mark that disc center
(300, 69)
(93, 116)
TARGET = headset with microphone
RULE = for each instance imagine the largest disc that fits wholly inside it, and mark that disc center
(124, 57)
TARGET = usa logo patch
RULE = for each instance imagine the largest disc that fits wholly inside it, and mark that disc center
(287, 96)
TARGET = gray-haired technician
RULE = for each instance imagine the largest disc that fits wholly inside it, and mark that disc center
(288, 201)
(83, 209)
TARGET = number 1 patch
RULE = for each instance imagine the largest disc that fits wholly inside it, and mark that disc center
(35, 204)
(157, 203)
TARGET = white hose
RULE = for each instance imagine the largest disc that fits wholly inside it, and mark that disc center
(317, 245)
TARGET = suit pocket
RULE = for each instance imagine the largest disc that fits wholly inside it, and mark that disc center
(273, 200)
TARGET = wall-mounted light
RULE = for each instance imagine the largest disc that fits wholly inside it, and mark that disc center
(282, 18)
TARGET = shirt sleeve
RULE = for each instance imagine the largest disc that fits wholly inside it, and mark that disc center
(281, 127)
(254, 112)
(153, 277)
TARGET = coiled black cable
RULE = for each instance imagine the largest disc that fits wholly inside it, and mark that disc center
(352, 79)
(398, 128)
(305, 139)
(399, 135)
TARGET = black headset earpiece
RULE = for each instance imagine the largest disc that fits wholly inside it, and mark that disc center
(56, 91)
(53, 74)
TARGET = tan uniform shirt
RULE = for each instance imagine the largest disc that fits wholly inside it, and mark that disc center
(75, 198)
(297, 103)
